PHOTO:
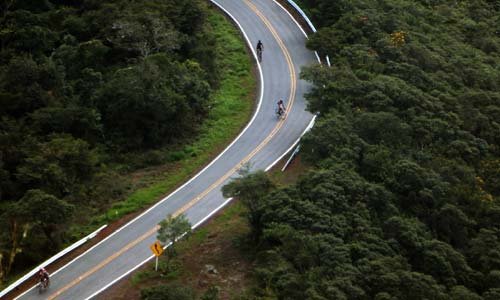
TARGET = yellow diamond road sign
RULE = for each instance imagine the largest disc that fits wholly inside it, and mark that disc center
(156, 248)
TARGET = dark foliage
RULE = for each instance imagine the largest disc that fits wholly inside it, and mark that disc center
(404, 200)
(81, 83)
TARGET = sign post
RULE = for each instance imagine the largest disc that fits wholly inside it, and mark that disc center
(157, 250)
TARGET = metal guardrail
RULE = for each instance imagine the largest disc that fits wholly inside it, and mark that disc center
(93, 234)
(297, 145)
(327, 58)
(51, 260)
(308, 21)
(303, 14)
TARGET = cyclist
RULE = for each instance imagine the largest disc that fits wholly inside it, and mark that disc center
(260, 48)
(43, 276)
(281, 107)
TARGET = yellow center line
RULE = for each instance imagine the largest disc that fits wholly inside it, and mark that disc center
(290, 101)
(103, 263)
(188, 205)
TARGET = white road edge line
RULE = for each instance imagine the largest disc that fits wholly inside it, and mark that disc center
(303, 14)
(311, 124)
(203, 170)
(51, 260)
(152, 256)
(261, 96)
(308, 21)
(293, 19)
(298, 25)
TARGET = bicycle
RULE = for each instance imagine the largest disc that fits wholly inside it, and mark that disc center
(260, 48)
(43, 285)
(280, 113)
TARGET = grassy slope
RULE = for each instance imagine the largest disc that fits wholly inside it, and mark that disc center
(218, 243)
(222, 242)
(233, 105)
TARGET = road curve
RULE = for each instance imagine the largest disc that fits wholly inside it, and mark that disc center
(262, 143)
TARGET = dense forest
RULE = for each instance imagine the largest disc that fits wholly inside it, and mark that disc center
(403, 201)
(85, 85)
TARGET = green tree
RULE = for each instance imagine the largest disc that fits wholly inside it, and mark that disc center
(381, 128)
(453, 226)
(251, 189)
(146, 35)
(401, 202)
(484, 251)
(81, 122)
(461, 292)
(332, 138)
(85, 88)
(492, 294)
(376, 164)
(59, 166)
(172, 228)
(153, 103)
(24, 86)
(36, 209)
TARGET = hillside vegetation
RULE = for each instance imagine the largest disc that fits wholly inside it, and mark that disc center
(91, 91)
(403, 201)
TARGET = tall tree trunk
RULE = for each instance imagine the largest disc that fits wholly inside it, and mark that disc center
(16, 239)
(13, 249)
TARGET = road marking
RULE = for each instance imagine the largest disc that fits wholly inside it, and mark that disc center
(103, 263)
(291, 99)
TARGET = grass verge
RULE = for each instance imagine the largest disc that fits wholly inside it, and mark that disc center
(220, 243)
(233, 106)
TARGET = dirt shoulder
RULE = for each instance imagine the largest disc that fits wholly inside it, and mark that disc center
(213, 256)
(220, 244)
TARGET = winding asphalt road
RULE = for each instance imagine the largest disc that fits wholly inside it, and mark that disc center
(264, 141)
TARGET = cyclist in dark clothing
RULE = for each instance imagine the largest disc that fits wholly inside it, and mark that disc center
(43, 276)
(281, 108)
(260, 49)
(260, 46)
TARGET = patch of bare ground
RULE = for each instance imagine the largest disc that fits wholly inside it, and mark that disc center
(213, 256)
(137, 177)
(217, 245)
(293, 172)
